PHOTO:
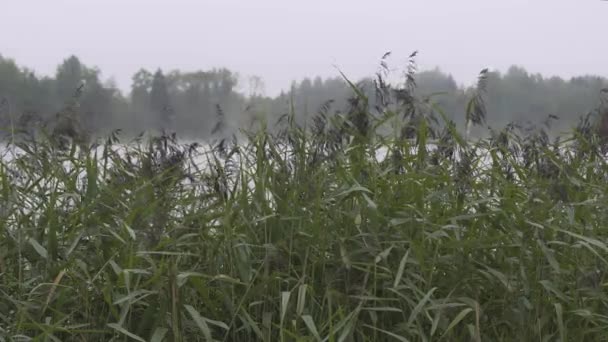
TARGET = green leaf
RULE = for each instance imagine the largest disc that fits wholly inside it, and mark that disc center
(122, 330)
(401, 269)
(457, 320)
(354, 188)
(38, 247)
(354, 87)
(371, 204)
(159, 334)
(138, 293)
(549, 286)
(549, 255)
(500, 276)
(217, 323)
(200, 322)
(256, 329)
(386, 332)
(74, 244)
(130, 231)
(382, 308)
(560, 321)
(384, 254)
(301, 299)
(310, 324)
(284, 303)
(420, 305)
(591, 241)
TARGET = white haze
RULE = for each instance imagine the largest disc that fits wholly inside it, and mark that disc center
(282, 40)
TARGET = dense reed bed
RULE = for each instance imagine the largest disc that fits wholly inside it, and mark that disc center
(301, 234)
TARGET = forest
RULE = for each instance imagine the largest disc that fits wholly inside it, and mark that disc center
(190, 103)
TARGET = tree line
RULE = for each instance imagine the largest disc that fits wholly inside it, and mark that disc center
(201, 103)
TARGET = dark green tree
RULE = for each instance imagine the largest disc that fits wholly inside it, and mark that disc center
(70, 75)
(159, 101)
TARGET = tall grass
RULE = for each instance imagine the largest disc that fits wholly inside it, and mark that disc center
(303, 234)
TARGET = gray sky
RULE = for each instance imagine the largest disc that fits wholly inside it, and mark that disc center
(281, 40)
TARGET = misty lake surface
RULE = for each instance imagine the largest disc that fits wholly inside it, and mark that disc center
(202, 153)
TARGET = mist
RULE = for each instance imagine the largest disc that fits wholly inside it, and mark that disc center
(281, 42)
(189, 65)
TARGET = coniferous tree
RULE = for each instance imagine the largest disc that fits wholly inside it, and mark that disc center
(159, 101)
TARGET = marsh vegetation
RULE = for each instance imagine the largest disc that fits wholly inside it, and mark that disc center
(296, 231)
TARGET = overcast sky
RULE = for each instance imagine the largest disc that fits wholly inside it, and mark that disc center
(282, 40)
